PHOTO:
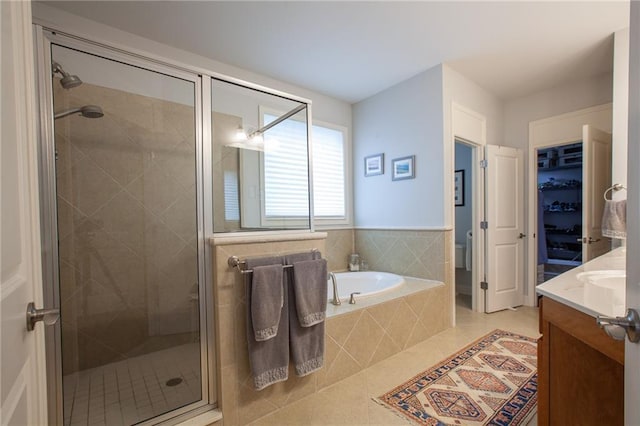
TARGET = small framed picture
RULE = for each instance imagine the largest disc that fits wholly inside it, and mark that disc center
(403, 168)
(458, 188)
(374, 165)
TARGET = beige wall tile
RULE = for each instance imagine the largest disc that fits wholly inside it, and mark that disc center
(343, 366)
(401, 325)
(386, 348)
(364, 339)
(339, 245)
(339, 328)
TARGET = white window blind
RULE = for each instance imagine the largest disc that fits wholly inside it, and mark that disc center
(285, 171)
(286, 185)
(328, 172)
(231, 202)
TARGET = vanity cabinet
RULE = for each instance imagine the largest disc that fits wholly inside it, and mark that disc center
(580, 369)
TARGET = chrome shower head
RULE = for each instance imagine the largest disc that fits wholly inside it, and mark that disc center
(87, 111)
(67, 81)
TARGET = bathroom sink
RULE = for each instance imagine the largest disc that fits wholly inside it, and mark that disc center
(604, 291)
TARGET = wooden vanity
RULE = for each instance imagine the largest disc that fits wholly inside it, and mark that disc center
(580, 369)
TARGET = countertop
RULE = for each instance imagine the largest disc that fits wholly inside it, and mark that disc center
(567, 289)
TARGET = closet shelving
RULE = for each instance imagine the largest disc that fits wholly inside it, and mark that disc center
(560, 186)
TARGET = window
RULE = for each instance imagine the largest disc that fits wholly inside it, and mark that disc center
(285, 174)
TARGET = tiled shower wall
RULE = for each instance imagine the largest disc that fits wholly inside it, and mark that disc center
(126, 223)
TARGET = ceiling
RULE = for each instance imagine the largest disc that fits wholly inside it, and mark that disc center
(352, 50)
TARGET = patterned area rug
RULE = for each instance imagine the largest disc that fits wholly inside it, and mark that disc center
(493, 381)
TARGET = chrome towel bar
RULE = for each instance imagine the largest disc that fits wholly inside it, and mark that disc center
(236, 262)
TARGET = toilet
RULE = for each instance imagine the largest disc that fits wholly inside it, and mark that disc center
(463, 253)
(460, 255)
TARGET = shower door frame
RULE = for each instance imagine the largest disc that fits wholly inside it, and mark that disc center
(44, 38)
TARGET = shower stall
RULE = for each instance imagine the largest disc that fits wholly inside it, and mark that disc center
(142, 160)
(123, 236)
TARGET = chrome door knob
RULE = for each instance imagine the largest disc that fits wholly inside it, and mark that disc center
(630, 323)
(48, 316)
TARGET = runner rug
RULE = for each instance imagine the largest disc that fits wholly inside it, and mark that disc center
(493, 381)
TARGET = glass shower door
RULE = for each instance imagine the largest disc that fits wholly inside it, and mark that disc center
(128, 246)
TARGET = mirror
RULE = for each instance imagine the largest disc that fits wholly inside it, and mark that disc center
(260, 160)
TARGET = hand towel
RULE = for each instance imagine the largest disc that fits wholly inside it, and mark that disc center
(269, 359)
(310, 290)
(266, 300)
(614, 219)
(307, 343)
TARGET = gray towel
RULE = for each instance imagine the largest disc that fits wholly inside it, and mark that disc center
(307, 343)
(310, 289)
(614, 219)
(267, 299)
(269, 359)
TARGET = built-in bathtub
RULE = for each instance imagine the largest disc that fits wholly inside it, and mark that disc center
(392, 313)
(374, 288)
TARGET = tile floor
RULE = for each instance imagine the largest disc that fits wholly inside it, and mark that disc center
(349, 402)
(131, 391)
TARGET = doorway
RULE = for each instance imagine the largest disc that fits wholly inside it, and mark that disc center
(464, 213)
(559, 210)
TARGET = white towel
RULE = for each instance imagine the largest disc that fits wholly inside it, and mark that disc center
(614, 219)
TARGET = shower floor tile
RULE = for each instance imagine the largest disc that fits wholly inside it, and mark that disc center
(133, 390)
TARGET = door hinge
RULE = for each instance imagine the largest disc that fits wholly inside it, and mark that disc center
(484, 285)
(483, 164)
(484, 225)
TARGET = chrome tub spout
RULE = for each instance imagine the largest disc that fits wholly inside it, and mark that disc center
(336, 299)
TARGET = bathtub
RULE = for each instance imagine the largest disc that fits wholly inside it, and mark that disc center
(374, 288)
(367, 283)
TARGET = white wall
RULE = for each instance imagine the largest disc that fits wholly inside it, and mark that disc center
(620, 125)
(558, 100)
(472, 113)
(405, 119)
(325, 108)
(463, 213)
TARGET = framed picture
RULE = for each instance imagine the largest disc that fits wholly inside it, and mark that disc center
(458, 186)
(403, 168)
(374, 165)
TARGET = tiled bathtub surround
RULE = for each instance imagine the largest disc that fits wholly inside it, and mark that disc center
(420, 254)
(354, 340)
(339, 246)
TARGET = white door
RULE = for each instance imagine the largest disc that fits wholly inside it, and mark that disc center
(22, 373)
(505, 226)
(596, 178)
(632, 350)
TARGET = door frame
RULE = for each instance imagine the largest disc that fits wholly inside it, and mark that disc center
(470, 128)
(477, 154)
(547, 132)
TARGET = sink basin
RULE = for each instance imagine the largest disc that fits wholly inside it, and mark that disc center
(604, 291)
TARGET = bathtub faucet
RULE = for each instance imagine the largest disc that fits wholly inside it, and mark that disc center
(336, 299)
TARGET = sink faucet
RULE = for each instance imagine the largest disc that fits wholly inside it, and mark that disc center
(336, 299)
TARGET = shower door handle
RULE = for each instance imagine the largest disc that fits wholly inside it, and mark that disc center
(48, 316)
